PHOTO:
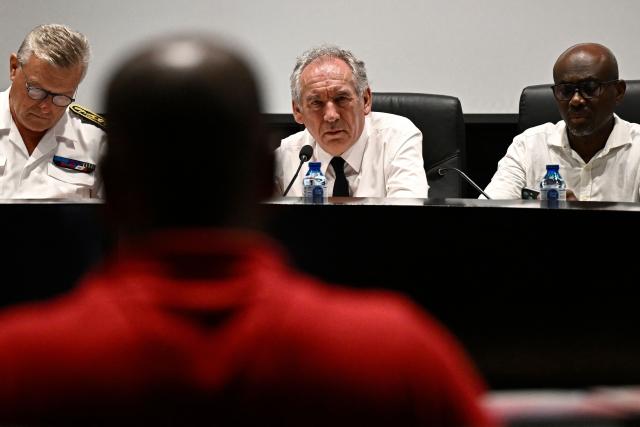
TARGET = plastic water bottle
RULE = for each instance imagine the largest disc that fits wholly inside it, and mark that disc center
(552, 187)
(315, 184)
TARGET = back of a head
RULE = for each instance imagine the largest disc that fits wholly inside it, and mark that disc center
(186, 142)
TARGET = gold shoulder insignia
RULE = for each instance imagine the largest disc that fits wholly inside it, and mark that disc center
(93, 118)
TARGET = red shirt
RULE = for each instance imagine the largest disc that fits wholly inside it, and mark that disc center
(205, 325)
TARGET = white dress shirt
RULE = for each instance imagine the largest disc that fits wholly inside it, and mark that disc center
(613, 174)
(386, 161)
(24, 176)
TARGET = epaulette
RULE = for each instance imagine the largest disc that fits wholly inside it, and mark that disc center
(93, 118)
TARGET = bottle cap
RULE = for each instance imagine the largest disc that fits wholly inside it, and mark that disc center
(315, 165)
(553, 167)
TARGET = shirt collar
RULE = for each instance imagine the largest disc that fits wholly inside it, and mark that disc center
(321, 156)
(353, 156)
(5, 112)
(619, 135)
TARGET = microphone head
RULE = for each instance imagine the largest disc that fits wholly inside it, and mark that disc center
(305, 153)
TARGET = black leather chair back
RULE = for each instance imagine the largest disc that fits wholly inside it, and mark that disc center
(439, 118)
(538, 106)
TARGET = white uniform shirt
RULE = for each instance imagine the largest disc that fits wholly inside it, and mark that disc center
(613, 174)
(24, 176)
(386, 161)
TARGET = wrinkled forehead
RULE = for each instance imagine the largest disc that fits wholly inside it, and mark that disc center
(40, 72)
(325, 72)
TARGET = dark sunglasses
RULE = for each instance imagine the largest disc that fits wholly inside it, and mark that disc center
(587, 89)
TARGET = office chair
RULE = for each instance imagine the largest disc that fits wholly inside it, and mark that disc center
(439, 118)
(538, 106)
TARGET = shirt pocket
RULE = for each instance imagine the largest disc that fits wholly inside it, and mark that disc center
(71, 176)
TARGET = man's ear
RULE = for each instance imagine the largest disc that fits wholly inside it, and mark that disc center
(367, 98)
(297, 112)
(621, 88)
(13, 66)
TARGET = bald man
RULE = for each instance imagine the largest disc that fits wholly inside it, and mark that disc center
(197, 319)
(598, 152)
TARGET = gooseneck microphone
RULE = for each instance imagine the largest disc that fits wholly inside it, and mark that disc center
(443, 171)
(305, 154)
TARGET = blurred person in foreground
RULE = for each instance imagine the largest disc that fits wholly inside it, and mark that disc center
(196, 317)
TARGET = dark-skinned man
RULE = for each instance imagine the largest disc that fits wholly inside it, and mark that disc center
(598, 152)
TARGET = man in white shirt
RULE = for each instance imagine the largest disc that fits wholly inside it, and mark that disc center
(363, 154)
(46, 149)
(598, 152)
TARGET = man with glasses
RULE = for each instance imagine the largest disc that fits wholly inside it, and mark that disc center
(48, 150)
(598, 152)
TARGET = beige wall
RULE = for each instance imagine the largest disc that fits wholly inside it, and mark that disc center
(482, 51)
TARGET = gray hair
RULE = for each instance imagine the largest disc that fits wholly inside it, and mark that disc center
(56, 44)
(329, 51)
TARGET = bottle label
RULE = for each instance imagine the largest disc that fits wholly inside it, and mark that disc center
(553, 194)
(314, 188)
(318, 194)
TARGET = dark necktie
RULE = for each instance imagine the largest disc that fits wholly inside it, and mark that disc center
(341, 186)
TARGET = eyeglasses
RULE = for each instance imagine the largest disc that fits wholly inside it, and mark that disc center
(587, 89)
(38, 94)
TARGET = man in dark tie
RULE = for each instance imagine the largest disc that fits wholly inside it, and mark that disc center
(196, 318)
(363, 153)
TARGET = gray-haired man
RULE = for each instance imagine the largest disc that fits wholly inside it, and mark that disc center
(363, 154)
(46, 149)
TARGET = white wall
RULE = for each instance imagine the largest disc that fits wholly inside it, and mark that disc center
(483, 52)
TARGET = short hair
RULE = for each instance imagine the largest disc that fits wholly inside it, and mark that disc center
(328, 51)
(56, 44)
(177, 91)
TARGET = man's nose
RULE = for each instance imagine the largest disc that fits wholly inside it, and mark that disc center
(576, 99)
(46, 105)
(330, 113)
